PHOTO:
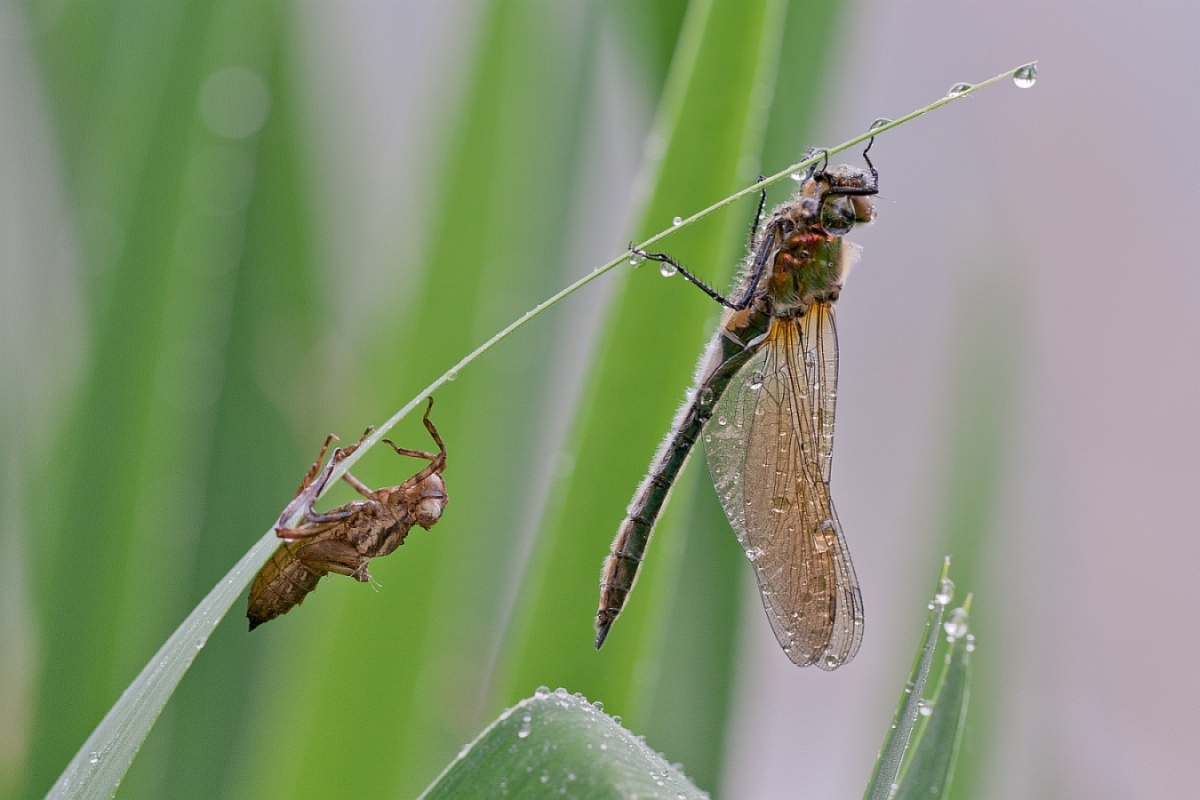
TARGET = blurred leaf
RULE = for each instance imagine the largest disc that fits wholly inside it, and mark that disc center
(559, 745)
(160, 198)
(887, 767)
(930, 767)
(986, 385)
(706, 124)
(650, 32)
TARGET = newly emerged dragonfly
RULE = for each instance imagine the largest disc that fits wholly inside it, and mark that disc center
(764, 402)
(343, 540)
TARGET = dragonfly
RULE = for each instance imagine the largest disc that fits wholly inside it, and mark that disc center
(763, 401)
(343, 540)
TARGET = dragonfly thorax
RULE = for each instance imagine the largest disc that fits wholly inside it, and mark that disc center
(807, 259)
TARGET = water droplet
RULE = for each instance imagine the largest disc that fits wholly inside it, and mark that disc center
(451, 375)
(561, 692)
(616, 718)
(722, 421)
(677, 221)
(599, 706)
(797, 176)
(958, 89)
(542, 691)
(1025, 76)
(879, 123)
(756, 381)
(544, 778)
(635, 260)
(956, 626)
(970, 643)
(667, 270)
(945, 592)
(706, 396)
(524, 730)
(93, 757)
(820, 543)
(832, 661)
(924, 708)
(753, 553)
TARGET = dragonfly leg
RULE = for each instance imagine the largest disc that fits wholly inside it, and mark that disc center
(314, 481)
(404, 451)
(437, 461)
(358, 485)
(758, 215)
(311, 475)
(663, 258)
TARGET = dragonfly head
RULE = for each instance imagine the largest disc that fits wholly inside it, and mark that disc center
(843, 195)
(431, 500)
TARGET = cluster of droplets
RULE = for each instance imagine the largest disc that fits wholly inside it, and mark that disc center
(945, 592)
(956, 625)
(1024, 77)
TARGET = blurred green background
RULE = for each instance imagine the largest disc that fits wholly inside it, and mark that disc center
(229, 228)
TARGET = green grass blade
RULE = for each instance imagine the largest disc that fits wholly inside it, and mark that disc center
(887, 767)
(553, 745)
(930, 768)
(96, 770)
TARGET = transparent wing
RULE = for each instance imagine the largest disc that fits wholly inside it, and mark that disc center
(770, 445)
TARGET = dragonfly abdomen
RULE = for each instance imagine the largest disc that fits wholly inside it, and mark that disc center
(722, 358)
(282, 584)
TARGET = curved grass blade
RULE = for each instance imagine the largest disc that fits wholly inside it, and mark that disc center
(555, 744)
(887, 767)
(96, 770)
(929, 770)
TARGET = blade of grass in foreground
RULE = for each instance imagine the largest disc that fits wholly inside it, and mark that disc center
(931, 767)
(883, 778)
(97, 769)
(555, 744)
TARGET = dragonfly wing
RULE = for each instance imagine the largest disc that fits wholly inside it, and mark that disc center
(769, 451)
